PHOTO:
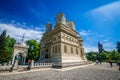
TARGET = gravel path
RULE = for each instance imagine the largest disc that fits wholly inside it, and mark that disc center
(91, 72)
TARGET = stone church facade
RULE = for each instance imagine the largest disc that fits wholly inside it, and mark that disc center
(61, 44)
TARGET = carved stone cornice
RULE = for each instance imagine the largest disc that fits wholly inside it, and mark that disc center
(60, 28)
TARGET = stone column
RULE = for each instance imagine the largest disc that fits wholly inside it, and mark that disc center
(32, 63)
(15, 64)
(24, 59)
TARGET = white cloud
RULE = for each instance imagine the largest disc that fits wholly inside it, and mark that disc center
(108, 45)
(106, 12)
(90, 48)
(105, 40)
(104, 20)
(17, 32)
(84, 32)
(91, 40)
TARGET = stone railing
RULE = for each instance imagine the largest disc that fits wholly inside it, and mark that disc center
(5, 66)
(39, 65)
(34, 65)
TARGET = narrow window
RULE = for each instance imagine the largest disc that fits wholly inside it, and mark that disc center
(53, 50)
(76, 51)
(56, 49)
(81, 53)
(71, 50)
(65, 49)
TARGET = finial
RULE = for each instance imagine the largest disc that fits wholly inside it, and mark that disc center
(22, 39)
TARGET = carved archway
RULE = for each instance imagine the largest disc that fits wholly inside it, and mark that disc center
(20, 53)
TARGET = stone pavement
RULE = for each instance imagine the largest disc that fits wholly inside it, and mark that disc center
(87, 72)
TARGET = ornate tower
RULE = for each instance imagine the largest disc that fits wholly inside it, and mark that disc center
(71, 25)
(60, 18)
(48, 27)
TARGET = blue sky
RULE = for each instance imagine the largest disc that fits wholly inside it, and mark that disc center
(95, 20)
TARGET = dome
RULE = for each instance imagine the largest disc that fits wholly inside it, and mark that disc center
(60, 18)
(71, 24)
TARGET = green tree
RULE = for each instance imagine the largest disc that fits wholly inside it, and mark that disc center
(118, 46)
(104, 56)
(92, 55)
(10, 41)
(3, 47)
(3, 40)
(34, 49)
(10, 46)
(6, 47)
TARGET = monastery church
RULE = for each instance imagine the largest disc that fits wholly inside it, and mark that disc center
(61, 44)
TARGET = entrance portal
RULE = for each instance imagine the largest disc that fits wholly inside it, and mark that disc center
(20, 53)
(21, 58)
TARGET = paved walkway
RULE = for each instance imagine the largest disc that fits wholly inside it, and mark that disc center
(88, 72)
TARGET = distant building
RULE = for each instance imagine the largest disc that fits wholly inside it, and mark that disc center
(100, 47)
(62, 45)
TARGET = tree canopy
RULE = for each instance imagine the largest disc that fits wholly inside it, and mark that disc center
(3, 40)
(34, 49)
(104, 56)
(6, 47)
